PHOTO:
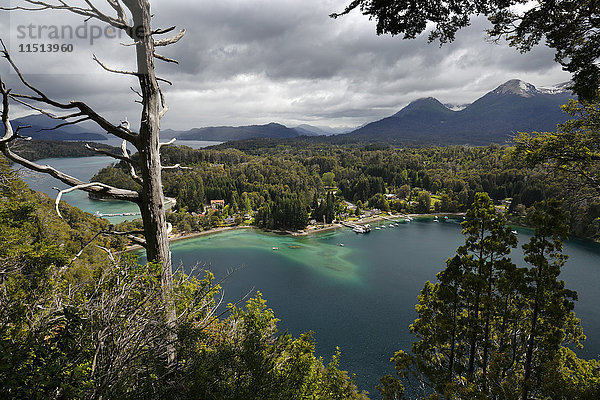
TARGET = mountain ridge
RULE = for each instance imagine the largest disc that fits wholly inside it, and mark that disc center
(515, 106)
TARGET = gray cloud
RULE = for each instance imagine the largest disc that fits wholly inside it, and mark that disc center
(259, 61)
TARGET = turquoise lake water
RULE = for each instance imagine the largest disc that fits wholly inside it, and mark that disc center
(361, 296)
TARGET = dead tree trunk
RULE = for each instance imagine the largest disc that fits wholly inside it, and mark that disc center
(151, 196)
(137, 24)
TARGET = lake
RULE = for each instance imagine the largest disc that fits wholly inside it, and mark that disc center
(85, 168)
(361, 296)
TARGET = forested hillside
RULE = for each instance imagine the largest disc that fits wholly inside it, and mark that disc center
(285, 182)
(79, 320)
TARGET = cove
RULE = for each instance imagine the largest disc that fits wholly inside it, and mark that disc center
(361, 296)
(85, 168)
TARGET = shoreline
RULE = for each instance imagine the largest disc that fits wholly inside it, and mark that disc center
(318, 229)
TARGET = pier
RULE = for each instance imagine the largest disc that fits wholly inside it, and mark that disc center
(357, 228)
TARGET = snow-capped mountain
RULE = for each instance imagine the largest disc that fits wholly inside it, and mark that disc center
(515, 106)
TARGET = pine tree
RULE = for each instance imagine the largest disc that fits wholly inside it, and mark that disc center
(489, 329)
(551, 317)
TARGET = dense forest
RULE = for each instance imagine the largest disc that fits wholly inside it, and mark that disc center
(286, 182)
(491, 329)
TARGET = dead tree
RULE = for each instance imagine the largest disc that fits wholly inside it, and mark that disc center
(133, 17)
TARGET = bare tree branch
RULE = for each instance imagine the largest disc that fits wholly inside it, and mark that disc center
(176, 166)
(165, 59)
(94, 187)
(91, 12)
(165, 81)
(170, 142)
(171, 40)
(10, 135)
(130, 235)
(109, 252)
(65, 124)
(131, 168)
(118, 131)
(116, 71)
(107, 153)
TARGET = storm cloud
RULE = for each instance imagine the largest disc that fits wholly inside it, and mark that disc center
(258, 61)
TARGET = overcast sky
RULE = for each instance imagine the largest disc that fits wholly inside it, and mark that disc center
(260, 61)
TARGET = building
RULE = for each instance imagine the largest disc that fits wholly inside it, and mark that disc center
(215, 204)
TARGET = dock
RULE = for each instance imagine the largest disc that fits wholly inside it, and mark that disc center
(357, 228)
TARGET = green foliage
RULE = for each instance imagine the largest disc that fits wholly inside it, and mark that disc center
(277, 173)
(378, 201)
(94, 328)
(249, 360)
(570, 377)
(488, 329)
(423, 202)
(574, 149)
(328, 178)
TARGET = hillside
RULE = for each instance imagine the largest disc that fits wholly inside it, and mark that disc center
(226, 133)
(515, 106)
(40, 125)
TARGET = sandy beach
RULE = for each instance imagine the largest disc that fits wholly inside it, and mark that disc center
(309, 230)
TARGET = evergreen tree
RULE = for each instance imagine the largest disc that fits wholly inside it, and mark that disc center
(488, 329)
(329, 208)
(551, 320)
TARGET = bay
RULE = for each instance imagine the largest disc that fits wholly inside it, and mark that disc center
(361, 296)
(84, 168)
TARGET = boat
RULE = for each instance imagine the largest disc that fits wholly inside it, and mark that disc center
(446, 217)
(377, 228)
(515, 232)
(275, 248)
(342, 244)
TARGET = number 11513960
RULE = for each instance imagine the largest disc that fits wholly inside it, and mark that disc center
(45, 48)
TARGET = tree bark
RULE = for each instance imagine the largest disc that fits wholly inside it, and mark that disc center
(152, 197)
(532, 336)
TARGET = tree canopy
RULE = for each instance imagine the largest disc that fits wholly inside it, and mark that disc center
(490, 329)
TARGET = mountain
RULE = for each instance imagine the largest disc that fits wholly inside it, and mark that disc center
(512, 107)
(226, 133)
(310, 130)
(41, 123)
